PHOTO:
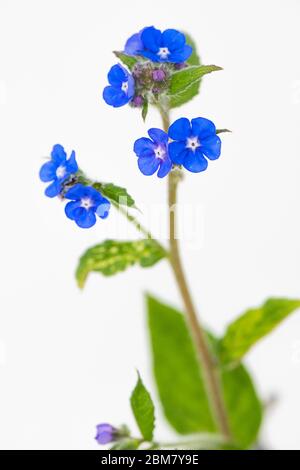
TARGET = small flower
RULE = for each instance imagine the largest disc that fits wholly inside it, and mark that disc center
(121, 88)
(153, 154)
(169, 46)
(192, 142)
(85, 203)
(105, 433)
(58, 170)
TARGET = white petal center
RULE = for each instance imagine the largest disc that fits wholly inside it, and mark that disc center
(86, 203)
(192, 143)
(163, 52)
(159, 152)
(61, 171)
(124, 87)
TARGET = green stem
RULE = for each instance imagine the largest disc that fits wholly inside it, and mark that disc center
(207, 360)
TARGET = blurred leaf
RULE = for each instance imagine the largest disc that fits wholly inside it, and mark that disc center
(127, 60)
(115, 193)
(113, 256)
(126, 444)
(220, 131)
(184, 84)
(143, 410)
(176, 370)
(185, 401)
(194, 59)
(244, 408)
(145, 110)
(244, 332)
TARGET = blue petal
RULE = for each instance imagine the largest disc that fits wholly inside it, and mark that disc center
(117, 75)
(177, 152)
(48, 171)
(85, 218)
(180, 129)
(76, 192)
(165, 168)
(173, 39)
(71, 165)
(158, 136)
(131, 87)
(194, 161)
(103, 209)
(133, 44)
(115, 96)
(181, 55)
(203, 127)
(71, 208)
(211, 147)
(151, 56)
(54, 189)
(143, 147)
(151, 39)
(148, 165)
(58, 154)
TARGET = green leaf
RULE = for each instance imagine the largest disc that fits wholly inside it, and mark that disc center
(143, 410)
(115, 193)
(253, 325)
(184, 84)
(243, 406)
(185, 402)
(221, 131)
(127, 60)
(145, 110)
(178, 377)
(113, 256)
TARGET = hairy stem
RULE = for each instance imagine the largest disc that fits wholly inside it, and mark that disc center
(207, 360)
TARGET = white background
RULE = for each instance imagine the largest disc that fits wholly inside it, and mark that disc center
(68, 358)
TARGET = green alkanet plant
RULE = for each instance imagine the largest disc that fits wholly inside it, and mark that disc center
(206, 392)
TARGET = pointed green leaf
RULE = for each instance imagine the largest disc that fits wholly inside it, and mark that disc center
(145, 110)
(115, 193)
(253, 325)
(127, 60)
(143, 410)
(113, 256)
(184, 84)
(180, 381)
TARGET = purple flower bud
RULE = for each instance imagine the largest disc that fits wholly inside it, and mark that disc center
(137, 101)
(158, 75)
(181, 66)
(105, 433)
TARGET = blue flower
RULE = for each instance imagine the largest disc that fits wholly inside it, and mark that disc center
(58, 170)
(153, 154)
(121, 88)
(169, 46)
(86, 203)
(193, 141)
(105, 433)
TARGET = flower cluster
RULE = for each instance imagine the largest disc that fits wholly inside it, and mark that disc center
(187, 143)
(85, 201)
(158, 54)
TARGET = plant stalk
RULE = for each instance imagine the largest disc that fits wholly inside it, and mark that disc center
(206, 358)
